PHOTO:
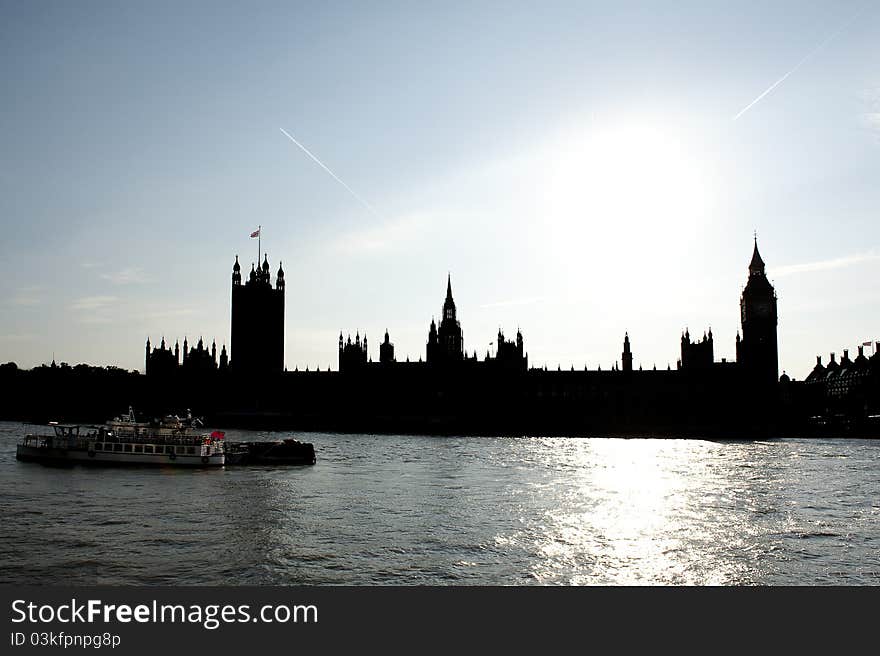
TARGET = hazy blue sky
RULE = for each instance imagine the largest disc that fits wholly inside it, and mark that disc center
(575, 166)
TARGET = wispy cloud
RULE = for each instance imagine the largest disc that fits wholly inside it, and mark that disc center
(389, 236)
(93, 303)
(28, 296)
(825, 265)
(166, 313)
(126, 276)
(16, 337)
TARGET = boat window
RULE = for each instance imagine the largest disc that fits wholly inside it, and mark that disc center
(99, 447)
(190, 450)
(138, 448)
(181, 449)
(148, 448)
(117, 447)
(128, 448)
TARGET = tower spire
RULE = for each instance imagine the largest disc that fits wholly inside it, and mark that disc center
(756, 266)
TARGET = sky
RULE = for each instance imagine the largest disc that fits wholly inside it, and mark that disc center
(580, 169)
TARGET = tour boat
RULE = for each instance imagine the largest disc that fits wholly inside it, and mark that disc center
(124, 441)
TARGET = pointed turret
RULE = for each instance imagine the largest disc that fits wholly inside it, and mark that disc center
(386, 350)
(236, 272)
(264, 272)
(626, 356)
(756, 266)
(279, 277)
(449, 303)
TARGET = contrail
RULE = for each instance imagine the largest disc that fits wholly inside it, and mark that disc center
(335, 177)
(800, 63)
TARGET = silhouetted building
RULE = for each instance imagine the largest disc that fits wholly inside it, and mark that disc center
(757, 351)
(452, 391)
(257, 333)
(161, 361)
(626, 357)
(352, 355)
(386, 350)
(446, 344)
(510, 355)
(199, 360)
(697, 355)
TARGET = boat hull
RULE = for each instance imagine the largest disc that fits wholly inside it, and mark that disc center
(80, 457)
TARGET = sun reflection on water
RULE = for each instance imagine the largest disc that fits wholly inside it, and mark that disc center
(632, 512)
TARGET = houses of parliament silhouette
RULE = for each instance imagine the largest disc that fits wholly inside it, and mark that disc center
(451, 390)
(257, 338)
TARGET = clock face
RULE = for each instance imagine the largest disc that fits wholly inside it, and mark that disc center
(762, 309)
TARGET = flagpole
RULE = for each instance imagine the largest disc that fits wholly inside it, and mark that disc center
(259, 237)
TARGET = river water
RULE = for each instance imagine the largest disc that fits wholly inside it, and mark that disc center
(416, 510)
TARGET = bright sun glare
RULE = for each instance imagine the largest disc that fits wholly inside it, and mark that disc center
(626, 183)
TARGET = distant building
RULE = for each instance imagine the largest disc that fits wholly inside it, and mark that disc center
(757, 351)
(161, 361)
(697, 355)
(446, 344)
(626, 357)
(386, 350)
(257, 331)
(510, 355)
(352, 355)
(198, 360)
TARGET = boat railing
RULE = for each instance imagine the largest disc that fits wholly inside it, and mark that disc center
(37, 441)
(71, 437)
(151, 438)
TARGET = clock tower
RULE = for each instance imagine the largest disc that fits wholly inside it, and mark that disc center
(757, 351)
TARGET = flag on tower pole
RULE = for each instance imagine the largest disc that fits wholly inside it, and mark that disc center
(256, 233)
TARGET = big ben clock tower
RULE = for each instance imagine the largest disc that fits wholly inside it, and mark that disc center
(757, 351)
